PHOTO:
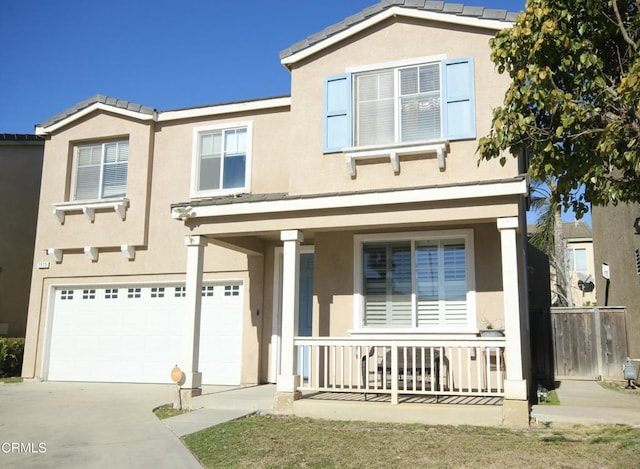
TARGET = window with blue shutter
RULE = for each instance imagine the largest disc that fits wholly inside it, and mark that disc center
(337, 113)
(418, 103)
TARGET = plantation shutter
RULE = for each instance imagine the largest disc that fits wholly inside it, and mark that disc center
(459, 98)
(337, 113)
(116, 161)
(387, 284)
(441, 278)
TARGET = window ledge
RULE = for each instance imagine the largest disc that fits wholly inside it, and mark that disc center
(88, 207)
(394, 152)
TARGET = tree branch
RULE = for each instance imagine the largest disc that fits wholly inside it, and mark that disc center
(622, 28)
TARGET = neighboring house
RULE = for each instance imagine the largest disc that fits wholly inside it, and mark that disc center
(20, 172)
(579, 239)
(347, 228)
(616, 243)
(580, 266)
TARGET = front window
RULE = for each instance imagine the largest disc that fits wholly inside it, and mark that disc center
(398, 105)
(101, 170)
(222, 160)
(423, 283)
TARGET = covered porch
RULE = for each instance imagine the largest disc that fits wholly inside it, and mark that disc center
(394, 344)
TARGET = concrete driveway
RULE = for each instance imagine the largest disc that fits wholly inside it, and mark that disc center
(87, 425)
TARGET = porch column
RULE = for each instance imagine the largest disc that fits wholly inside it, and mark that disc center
(287, 383)
(515, 386)
(192, 380)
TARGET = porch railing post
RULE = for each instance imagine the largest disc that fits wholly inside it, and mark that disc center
(394, 373)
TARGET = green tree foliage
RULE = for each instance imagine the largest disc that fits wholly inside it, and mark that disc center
(573, 105)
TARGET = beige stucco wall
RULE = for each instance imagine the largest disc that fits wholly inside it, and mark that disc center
(20, 171)
(314, 172)
(159, 174)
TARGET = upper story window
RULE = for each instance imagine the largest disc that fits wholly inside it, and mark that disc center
(577, 259)
(394, 105)
(397, 105)
(423, 281)
(101, 170)
(222, 157)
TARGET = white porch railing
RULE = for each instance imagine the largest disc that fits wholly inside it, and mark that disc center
(474, 367)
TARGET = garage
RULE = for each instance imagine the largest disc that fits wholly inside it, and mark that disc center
(133, 333)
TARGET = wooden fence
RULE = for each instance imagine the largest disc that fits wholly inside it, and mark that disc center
(588, 343)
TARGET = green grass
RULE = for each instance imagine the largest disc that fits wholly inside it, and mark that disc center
(167, 410)
(15, 379)
(552, 399)
(274, 442)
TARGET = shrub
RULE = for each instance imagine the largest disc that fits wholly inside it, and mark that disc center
(11, 352)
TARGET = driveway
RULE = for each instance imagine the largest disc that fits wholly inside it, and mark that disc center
(87, 425)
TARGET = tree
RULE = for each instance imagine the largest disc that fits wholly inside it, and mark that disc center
(574, 102)
(549, 238)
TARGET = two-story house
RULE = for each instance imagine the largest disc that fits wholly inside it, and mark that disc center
(343, 238)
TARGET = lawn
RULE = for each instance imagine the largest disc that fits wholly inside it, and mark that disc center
(275, 442)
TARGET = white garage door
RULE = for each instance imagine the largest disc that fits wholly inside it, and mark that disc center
(134, 333)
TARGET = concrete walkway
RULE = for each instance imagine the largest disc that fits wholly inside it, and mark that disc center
(586, 402)
(582, 402)
(218, 405)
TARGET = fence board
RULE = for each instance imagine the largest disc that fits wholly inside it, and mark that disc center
(588, 343)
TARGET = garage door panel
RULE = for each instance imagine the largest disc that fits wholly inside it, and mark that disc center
(134, 333)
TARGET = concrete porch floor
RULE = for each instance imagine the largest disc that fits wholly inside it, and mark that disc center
(449, 410)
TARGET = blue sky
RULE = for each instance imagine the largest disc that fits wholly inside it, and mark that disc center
(162, 54)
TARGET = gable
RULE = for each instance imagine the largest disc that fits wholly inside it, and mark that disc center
(445, 13)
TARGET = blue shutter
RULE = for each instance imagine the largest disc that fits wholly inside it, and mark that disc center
(459, 110)
(336, 132)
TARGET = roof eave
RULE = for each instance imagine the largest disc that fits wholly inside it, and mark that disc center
(490, 24)
(47, 130)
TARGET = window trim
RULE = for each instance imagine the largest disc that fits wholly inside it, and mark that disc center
(195, 160)
(358, 281)
(74, 170)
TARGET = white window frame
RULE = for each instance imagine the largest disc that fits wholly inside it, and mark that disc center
(359, 298)
(395, 66)
(74, 175)
(195, 160)
(571, 259)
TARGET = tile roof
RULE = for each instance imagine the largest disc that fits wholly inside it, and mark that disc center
(570, 230)
(20, 138)
(98, 98)
(431, 6)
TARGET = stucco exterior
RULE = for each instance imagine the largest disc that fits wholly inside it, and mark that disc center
(620, 253)
(298, 199)
(20, 172)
